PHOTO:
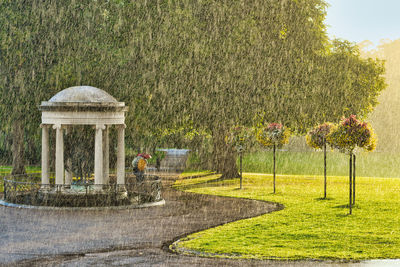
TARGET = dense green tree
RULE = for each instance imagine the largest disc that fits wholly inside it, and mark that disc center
(224, 63)
(46, 46)
(187, 69)
(23, 59)
(353, 83)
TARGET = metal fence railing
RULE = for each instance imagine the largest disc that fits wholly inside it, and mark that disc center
(27, 189)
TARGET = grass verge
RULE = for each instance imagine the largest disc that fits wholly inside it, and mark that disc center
(309, 227)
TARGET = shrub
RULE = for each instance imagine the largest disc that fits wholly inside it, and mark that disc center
(351, 133)
(239, 138)
(317, 137)
(273, 134)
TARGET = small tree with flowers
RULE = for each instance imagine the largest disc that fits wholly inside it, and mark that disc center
(239, 138)
(349, 134)
(317, 138)
(274, 135)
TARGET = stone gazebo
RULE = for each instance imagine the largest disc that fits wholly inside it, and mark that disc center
(83, 105)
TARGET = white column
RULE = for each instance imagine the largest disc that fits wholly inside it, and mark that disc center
(68, 174)
(98, 155)
(45, 156)
(59, 154)
(106, 156)
(121, 156)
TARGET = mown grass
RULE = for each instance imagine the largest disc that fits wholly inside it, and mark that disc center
(373, 164)
(6, 170)
(309, 227)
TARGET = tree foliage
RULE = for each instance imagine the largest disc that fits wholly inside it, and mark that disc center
(384, 118)
(46, 46)
(188, 70)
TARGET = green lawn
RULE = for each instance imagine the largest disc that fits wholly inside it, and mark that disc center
(308, 227)
(6, 170)
(373, 164)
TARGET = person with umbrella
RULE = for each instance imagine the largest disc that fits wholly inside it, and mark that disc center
(139, 165)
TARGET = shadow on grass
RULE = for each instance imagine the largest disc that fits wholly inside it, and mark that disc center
(345, 207)
(324, 198)
(238, 189)
(343, 215)
(274, 194)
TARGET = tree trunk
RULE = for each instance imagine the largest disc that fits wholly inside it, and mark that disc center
(18, 164)
(224, 156)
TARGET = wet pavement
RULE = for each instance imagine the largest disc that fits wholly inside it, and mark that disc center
(127, 237)
(36, 236)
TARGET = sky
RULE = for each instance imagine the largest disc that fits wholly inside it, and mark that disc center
(359, 20)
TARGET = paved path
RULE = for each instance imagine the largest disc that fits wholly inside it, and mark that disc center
(32, 236)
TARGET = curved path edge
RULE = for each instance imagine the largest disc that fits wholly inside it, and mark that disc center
(139, 237)
(172, 246)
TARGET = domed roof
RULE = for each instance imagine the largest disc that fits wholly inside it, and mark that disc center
(83, 94)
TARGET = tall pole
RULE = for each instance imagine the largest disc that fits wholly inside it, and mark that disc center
(350, 183)
(274, 169)
(354, 179)
(241, 172)
(324, 169)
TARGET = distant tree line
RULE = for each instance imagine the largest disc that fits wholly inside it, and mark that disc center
(385, 118)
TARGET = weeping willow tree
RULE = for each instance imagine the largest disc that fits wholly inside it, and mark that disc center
(19, 80)
(46, 46)
(185, 68)
(216, 64)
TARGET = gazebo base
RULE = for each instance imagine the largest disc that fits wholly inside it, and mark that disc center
(80, 199)
(88, 195)
(75, 198)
